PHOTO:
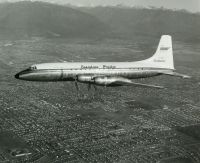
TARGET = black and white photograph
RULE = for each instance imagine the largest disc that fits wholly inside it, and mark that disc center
(99, 81)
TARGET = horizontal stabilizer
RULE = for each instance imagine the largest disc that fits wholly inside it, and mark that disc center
(171, 73)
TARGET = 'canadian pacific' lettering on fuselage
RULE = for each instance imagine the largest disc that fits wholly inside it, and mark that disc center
(97, 67)
(89, 67)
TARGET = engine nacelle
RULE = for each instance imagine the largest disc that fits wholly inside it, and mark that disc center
(102, 80)
(85, 79)
(105, 81)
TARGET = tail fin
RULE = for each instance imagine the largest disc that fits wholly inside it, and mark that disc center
(163, 57)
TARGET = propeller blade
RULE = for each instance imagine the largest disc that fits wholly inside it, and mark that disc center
(95, 88)
(89, 86)
(76, 85)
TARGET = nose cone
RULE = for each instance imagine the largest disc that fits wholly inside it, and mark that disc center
(24, 75)
(17, 76)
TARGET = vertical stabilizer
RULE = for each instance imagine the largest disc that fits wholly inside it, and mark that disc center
(163, 57)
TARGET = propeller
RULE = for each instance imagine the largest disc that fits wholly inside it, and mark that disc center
(95, 88)
(89, 87)
(76, 84)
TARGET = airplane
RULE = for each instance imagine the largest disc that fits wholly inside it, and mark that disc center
(108, 74)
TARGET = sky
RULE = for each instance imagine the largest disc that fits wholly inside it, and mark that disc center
(190, 5)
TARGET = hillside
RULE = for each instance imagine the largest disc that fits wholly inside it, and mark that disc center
(24, 19)
(130, 22)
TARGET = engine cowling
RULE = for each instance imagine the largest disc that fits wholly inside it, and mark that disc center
(85, 79)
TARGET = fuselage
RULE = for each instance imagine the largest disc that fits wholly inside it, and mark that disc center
(68, 71)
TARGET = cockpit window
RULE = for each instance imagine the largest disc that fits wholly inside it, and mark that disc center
(32, 68)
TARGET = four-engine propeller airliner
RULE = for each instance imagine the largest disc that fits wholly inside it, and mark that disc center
(107, 73)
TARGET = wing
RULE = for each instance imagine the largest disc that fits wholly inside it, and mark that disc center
(120, 81)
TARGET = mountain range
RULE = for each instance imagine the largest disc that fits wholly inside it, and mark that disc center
(27, 19)
(130, 22)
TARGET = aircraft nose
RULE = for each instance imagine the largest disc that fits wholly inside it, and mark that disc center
(17, 76)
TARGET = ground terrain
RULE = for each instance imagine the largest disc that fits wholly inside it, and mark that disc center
(124, 124)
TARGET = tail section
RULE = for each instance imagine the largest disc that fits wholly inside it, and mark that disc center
(163, 57)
